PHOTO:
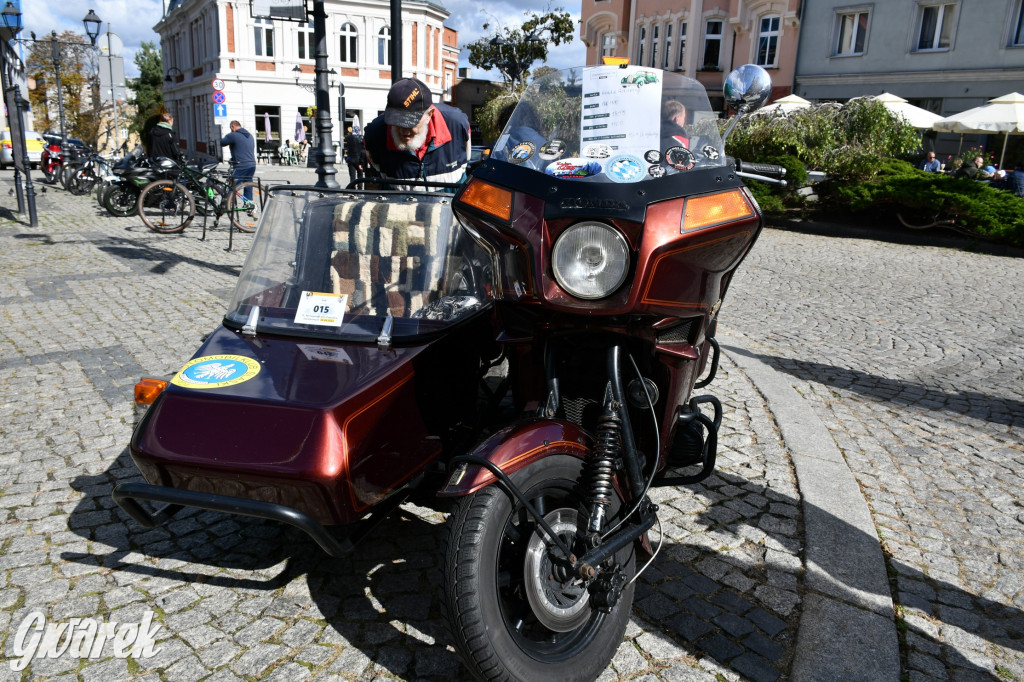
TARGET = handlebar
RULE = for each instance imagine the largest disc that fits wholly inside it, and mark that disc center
(764, 172)
(767, 169)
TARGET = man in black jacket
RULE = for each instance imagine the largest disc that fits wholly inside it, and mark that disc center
(354, 154)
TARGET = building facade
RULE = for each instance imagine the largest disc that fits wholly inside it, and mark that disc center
(266, 67)
(704, 39)
(946, 56)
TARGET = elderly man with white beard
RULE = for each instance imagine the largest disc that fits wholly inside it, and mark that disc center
(418, 139)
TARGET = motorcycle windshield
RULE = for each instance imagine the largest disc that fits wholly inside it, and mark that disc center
(612, 124)
(338, 264)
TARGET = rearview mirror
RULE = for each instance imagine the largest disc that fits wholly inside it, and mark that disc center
(747, 88)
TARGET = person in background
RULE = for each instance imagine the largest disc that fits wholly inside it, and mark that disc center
(930, 164)
(673, 125)
(417, 139)
(243, 155)
(354, 154)
(1015, 179)
(163, 141)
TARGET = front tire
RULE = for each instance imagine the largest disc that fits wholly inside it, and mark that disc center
(508, 618)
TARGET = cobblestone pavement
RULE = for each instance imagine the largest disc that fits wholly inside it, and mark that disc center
(913, 358)
(89, 303)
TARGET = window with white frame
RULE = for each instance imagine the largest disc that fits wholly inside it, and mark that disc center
(306, 42)
(263, 33)
(654, 45)
(349, 44)
(936, 24)
(640, 45)
(1017, 27)
(608, 45)
(384, 46)
(851, 33)
(712, 45)
(668, 46)
(768, 41)
(681, 56)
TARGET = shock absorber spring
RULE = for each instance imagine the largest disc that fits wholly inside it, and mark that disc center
(600, 468)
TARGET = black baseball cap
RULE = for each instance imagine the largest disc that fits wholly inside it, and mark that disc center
(408, 99)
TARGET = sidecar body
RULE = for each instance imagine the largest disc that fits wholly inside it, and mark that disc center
(347, 363)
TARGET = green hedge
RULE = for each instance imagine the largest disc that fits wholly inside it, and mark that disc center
(970, 206)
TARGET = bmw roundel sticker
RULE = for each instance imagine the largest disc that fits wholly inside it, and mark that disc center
(216, 371)
(625, 168)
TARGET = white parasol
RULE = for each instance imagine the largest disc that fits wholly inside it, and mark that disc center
(784, 105)
(1001, 115)
(915, 116)
(300, 130)
(266, 127)
(356, 128)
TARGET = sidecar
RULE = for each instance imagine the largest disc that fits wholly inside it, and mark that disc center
(345, 369)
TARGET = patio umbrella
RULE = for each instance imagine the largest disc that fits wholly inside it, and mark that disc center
(1001, 115)
(784, 105)
(356, 128)
(300, 130)
(266, 127)
(915, 116)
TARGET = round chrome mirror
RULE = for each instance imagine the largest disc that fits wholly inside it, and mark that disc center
(747, 87)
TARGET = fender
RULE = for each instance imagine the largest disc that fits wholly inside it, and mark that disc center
(516, 446)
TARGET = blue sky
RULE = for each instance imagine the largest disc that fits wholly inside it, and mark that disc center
(133, 20)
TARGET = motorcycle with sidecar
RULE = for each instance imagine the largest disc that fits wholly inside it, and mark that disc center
(521, 352)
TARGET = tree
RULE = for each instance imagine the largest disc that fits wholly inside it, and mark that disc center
(513, 51)
(148, 99)
(79, 86)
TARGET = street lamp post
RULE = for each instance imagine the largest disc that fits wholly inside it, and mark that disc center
(11, 18)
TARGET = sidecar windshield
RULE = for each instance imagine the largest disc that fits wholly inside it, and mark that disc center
(338, 264)
(612, 124)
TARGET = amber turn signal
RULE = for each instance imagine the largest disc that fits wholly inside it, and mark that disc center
(489, 199)
(147, 390)
(715, 209)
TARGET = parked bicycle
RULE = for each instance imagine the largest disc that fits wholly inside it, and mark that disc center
(169, 206)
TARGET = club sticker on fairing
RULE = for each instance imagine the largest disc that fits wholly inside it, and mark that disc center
(216, 371)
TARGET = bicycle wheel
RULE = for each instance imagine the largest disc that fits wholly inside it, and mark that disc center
(245, 214)
(166, 207)
(81, 182)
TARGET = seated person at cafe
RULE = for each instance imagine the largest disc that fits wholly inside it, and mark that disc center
(930, 164)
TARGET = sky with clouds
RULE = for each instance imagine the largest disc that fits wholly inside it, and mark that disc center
(133, 20)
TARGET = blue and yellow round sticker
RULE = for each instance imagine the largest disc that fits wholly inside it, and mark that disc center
(216, 371)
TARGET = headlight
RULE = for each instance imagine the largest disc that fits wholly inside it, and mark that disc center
(590, 260)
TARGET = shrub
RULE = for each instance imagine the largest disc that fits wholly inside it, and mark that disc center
(968, 206)
(843, 140)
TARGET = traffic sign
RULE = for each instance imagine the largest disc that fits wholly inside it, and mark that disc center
(218, 84)
(219, 97)
(220, 110)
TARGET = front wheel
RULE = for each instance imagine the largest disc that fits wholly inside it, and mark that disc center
(510, 610)
(245, 212)
(121, 200)
(166, 206)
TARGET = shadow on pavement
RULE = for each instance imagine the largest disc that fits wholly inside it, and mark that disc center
(381, 602)
(997, 410)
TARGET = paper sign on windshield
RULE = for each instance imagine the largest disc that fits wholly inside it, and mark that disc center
(621, 110)
(327, 310)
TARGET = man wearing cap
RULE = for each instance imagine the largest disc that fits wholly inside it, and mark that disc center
(417, 139)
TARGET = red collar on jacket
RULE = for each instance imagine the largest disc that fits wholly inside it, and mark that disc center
(437, 134)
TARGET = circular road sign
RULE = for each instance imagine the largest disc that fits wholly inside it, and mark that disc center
(218, 84)
(219, 98)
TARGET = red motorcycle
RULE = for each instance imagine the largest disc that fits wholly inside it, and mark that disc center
(521, 353)
(51, 160)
